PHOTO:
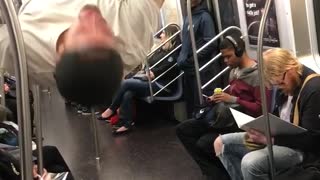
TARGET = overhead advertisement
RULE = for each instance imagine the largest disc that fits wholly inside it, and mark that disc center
(253, 12)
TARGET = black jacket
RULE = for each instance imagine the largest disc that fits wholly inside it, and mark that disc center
(204, 30)
(164, 65)
(309, 115)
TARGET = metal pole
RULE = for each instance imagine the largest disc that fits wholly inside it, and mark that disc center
(194, 52)
(262, 87)
(23, 106)
(38, 122)
(2, 93)
(95, 134)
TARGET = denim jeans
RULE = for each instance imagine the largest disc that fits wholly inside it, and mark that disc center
(129, 89)
(242, 163)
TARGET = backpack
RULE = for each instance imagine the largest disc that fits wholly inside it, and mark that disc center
(8, 134)
(9, 167)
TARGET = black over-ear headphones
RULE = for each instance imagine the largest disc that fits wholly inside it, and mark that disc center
(238, 51)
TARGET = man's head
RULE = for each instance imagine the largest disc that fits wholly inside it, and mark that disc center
(233, 49)
(282, 69)
(89, 69)
(89, 30)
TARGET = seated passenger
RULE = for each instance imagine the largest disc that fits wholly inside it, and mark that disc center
(196, 135)
(284, 70)
(54, 30)
(138, 85)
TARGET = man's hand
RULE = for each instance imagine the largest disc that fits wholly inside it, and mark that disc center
(45, 175)
(222, 97)
(257, 137)
(151, 75)
(6, 88)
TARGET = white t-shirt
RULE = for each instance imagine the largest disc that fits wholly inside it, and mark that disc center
(42, 21)
(286, 108)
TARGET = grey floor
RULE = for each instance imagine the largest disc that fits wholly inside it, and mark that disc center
(150, 152)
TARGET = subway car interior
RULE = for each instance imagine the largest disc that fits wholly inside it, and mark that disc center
(128, 90)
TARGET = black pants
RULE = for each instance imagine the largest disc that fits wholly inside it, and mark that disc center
(53, 161)
(198, 138)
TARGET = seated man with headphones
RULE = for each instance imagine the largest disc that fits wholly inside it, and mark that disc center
(197, 135)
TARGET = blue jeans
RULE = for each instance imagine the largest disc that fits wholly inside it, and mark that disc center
(242, 163)
(129, 89)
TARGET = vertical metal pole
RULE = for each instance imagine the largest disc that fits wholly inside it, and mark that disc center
(262, 87)
(179, 12)
(2, 93)
(217, 13)
(194, 52)
(38, 123)
(21, 73)
(95, 133)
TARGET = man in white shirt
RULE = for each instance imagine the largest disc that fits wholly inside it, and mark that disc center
(52, 27)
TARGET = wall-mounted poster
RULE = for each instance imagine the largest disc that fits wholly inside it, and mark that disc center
(253, 12)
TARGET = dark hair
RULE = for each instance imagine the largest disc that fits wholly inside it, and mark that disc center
(90, 76)
(227, 44)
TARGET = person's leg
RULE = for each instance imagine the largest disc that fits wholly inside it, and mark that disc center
(255, 165)
(230, 150)
(126, 111)
(212, 166)
(138, 89)
(189, 133)
(189, 94)
(134, 85)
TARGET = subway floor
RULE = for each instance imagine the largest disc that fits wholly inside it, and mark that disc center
(150, 152)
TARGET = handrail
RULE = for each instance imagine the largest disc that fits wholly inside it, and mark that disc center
(205, 65)
(23, 107)
(168, 84)
(194, 52)
(2, 93)
(162, 44)
(211, 61)
(165, 57)
(158, 77)
(218, 36)
(38, 123)
(151, 53)
(262, 87)
(216, 77)
(217, 56)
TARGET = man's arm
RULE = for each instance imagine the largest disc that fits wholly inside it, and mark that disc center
(208, 32)
(255, 107)
(310, 120)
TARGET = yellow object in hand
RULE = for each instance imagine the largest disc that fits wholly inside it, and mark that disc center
(217, 91)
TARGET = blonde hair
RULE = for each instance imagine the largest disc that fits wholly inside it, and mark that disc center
(277, 61)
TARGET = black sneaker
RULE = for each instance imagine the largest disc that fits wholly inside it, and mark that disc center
(79, 108)
(86, 111)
